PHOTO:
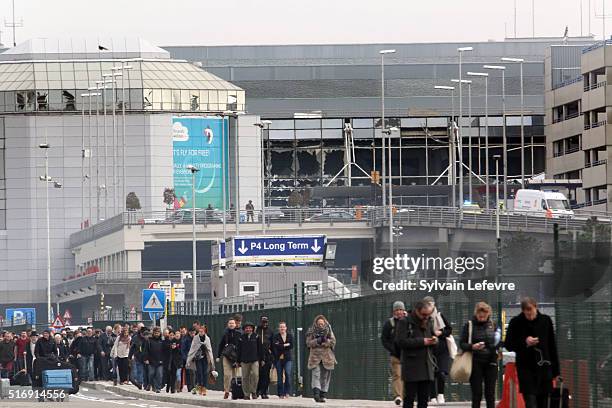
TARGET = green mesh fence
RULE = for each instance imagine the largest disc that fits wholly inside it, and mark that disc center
(363, 365)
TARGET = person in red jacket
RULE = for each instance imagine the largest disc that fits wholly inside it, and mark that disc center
(20, 350)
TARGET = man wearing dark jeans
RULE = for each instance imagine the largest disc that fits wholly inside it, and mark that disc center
(414, 337)
(87, 349)
(265, 334)
(106, 342)
(154, 359)
(532, 336)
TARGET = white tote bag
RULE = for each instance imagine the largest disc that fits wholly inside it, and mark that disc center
(461, 369)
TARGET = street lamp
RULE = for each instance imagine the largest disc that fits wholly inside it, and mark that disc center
(496, 157)
(486, 78)
(115, 140)
(382, 114)
(502, 68)
(469, 84)
(520, 61)
(388, 133)
(123, 68)
(193, 171)
(261, 125)
(461, 50)
(48, 180)
(451, 141)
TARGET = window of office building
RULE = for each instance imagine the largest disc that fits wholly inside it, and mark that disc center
(2, 178)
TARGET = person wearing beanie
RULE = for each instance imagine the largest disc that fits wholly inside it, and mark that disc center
(264, 332)
(250, 353)
(388, 340)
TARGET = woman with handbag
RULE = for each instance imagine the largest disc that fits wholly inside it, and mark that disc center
(480, 337)
(200, 356)
(228, 350)
(443, 331)
(282, 346)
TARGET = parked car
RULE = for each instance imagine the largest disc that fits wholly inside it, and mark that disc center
(471, 208)
(273, 214)
(184, 217)
(333, 215)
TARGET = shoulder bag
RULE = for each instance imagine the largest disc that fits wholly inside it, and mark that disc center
(461, 369)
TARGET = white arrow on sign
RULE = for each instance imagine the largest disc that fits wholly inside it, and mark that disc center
(316, 246)
(242, 248)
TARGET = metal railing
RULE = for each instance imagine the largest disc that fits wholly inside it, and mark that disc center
(483, 219)
(596, 46)
(126, 276)
(595, 163)
(594, 86)
(568, 82)
(214, 218)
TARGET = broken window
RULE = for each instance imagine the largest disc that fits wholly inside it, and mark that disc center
(21, 100)
(41, 101)
(282, 163)
(68, 100)
(309, 162)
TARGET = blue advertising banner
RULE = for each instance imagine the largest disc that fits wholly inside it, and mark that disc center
(198, 141)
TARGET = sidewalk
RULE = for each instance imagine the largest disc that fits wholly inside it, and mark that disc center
(215, 399)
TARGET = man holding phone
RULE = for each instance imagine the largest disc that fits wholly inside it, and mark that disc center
(415, 338)
(531, 336)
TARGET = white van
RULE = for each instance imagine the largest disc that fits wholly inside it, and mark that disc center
(542, 203)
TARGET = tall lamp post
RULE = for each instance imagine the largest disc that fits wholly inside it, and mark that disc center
(520, 61)
(123, 69)
(461, 50)
(388, 133)
(502, 68)
(382, 125)
(263, 124)
(194, 170)
(48, 180)
(469, 84)
(486, 78)
(451, 141)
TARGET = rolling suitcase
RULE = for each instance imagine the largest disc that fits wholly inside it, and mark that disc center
(236, 388)
(4, 388)
(560, 396)
(57, 379)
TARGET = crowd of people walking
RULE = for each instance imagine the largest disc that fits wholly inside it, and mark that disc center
(422, 354)
(422, 349)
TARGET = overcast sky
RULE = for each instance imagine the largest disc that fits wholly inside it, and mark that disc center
(207, 22)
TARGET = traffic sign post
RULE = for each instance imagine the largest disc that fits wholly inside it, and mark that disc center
(154, 302)
(58, 323)
(300, 248)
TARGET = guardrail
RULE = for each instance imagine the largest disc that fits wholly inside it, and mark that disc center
(568, 82)
(371, 216)
(596, 46)
(483, 219)
(206, 217)
(594, 86)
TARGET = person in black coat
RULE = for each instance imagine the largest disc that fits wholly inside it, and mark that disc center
(86, 349)
(282, 345)
(173, 361)
(531, 336)
(415, 338)
(229, 342)
(105, 344)
(139, 374)
(483, 344)
(442, 330)
(265, 335)
(30, 352)
(388, 341)
(250, 353)
(154, 359)
(63, 352)
(45, 346)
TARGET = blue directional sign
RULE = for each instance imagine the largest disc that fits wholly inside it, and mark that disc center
(305, 248)
(153, 300)
(23, 315)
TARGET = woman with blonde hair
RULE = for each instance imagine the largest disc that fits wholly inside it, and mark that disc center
(321, 341)
(481, 336)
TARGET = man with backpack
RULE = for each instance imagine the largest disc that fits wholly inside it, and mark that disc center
(388, 341)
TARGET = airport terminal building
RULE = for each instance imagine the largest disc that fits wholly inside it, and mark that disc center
(70, 98)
